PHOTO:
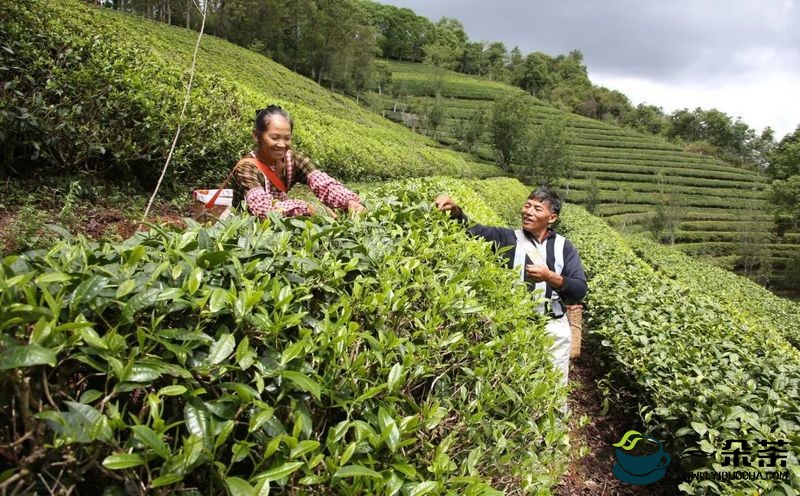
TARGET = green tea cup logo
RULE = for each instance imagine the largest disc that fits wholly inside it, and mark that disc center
(640, 465)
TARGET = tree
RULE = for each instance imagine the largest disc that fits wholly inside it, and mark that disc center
(446, 46)
(469, 131)
(401, 32)
(434, 115)
(534, 76)
(646, 118)
(754, 258)
(762, 148)
(515, 63)
(545, 155)
(784, 161)
(571, 81)
(440, 55)
(496, 58)
(473, 60)
(398, 90)
(734, 139)
(612, 105)
(592, 195)
(791, 276)
(663, 223)
(508, 126)
(784, 194)
(383, 76)
(685, 125)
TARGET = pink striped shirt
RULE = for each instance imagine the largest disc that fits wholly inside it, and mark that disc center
(262, 197)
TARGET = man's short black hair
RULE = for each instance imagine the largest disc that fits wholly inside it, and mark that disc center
(551, 196)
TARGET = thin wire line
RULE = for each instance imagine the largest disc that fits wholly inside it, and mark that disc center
(180, 119)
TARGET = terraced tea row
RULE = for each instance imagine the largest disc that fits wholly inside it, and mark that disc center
(658, 157)
(650, 200)
(721, 248)
(767, 309)
(672, 176)
(696, 236)
(629, 170)
(673, 187)
(703, 369)
(726, 221)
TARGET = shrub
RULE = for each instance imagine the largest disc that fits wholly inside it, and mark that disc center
(764, 309)
(346, 357)
(697, 369)
(701, 148)
(78, 97)
(545, 156)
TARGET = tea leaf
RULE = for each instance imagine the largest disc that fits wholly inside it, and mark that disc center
(423, 488)
(143, 372)
(303, 382)
(394, 376)
(279, 472)
(700, 428)
(26, 356)
(174, 390)
(239, 487)
(221, 349)
(166, 480)
(125, 288)
(52, 277)
(356, 471)
(123, 461)
(150, 439)
(197, 419)
(303, 447)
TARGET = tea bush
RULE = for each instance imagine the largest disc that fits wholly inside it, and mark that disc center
(645, 176)
(700, 372)
(741, 296)
(390, 353)
(90, 90)
(675, 188)
(505, 196)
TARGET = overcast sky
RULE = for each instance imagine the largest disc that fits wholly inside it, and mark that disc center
(740, 56)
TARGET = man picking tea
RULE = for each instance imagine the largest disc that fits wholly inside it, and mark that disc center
(546, 261)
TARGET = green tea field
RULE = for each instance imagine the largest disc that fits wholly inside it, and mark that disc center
(386, 352)
(717, 207)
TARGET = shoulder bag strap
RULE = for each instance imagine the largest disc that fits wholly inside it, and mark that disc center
(210, 203)
(273, 177)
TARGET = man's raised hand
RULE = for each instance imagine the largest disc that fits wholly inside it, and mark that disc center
(446, 204)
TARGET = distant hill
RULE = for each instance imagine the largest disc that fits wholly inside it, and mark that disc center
(719, 206)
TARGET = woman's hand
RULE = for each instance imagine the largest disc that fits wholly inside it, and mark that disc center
(355, 207)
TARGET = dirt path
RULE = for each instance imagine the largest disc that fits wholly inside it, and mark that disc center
(592, 474)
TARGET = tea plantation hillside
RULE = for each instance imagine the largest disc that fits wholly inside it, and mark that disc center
(389, 353)
(89, 90)
(386, 353)
(717, 205)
